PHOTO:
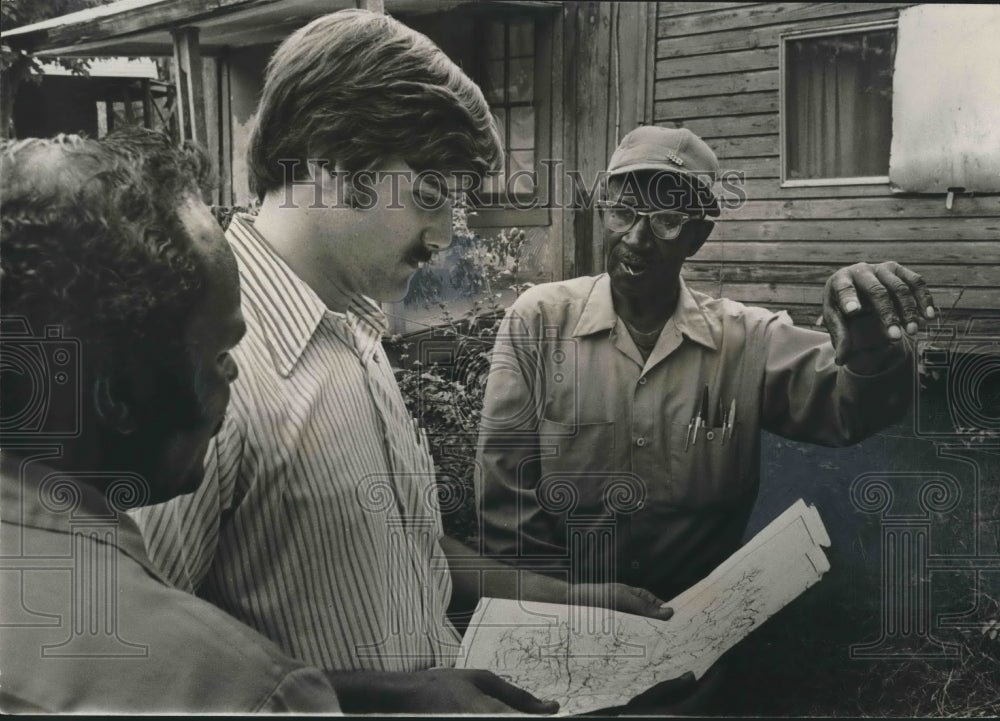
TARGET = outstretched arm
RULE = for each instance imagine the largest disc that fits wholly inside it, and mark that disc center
(839, 389)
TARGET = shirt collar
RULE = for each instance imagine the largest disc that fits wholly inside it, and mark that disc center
(37, 496)
(369, 313)
(690, 317)
(288, 310)
(693, 320)
(599, 310)
(365, 325)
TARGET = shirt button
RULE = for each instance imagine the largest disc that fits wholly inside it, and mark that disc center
(640, 441)
(635, 565)
(642, 381)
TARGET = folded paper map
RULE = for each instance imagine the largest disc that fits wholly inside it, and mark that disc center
(592, 658)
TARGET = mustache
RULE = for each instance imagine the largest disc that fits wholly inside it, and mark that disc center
(625, 256)
(420, 255)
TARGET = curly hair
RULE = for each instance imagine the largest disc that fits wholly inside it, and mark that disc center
(356, 88)
(89, 241)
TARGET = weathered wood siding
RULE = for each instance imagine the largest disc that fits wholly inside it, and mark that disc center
(603, 91)
(717, 73)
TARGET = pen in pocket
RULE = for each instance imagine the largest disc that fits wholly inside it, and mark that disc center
(730, 420)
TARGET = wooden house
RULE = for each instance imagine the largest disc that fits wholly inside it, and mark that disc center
(809, 186)
(728, 72)
(846, 132)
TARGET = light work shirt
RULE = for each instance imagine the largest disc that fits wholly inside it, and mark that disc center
(588, 464)
(88, 624)
(317, 523)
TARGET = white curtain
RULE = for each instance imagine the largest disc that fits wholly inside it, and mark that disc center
(839, 104)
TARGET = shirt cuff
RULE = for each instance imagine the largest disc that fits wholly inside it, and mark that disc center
(897, 360)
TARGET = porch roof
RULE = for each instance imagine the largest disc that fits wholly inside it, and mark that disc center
(142, 27)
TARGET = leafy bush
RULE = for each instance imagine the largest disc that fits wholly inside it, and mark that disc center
(472, 267)
(447, 398)
(448, 401)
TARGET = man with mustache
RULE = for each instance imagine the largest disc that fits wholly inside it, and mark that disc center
(318, 523)
(673, 385)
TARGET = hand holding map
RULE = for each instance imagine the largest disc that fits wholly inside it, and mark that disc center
(593, 658)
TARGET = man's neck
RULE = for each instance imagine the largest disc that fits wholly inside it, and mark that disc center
(289, 233)
(648, 313)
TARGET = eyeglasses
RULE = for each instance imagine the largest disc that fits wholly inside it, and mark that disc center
(665, 224)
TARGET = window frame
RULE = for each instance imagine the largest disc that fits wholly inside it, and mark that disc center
(495, 215)
(783, 40)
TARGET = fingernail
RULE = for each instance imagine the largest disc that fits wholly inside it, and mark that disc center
(895, 332)
(930, 313)
(852, 305)
(912, 328)
(665, 605)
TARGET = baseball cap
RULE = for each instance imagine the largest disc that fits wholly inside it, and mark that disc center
(676, 150)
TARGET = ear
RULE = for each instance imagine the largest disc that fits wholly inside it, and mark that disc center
(699, 230)
(113, 406)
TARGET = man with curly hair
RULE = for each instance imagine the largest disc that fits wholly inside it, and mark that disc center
(121, 305)
(318, 523)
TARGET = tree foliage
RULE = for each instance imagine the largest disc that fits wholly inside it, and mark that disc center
(18, 65)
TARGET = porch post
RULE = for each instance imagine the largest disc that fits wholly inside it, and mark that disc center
(190, 87)
(147, 104)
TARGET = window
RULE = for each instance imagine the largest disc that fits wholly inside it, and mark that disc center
(507, 76)
(508, 53)
(837, 106)
(507, 50)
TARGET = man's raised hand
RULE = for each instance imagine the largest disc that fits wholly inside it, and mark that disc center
(867, 308)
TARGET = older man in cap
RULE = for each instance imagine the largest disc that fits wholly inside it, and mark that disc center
(621, 423)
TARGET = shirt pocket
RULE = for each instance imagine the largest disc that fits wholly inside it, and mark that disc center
(710, 470)
(577, 466)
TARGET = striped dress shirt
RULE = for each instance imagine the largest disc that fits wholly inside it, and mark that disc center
(317, 523)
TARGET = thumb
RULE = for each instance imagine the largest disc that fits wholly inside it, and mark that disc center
(646, 603)
(517, 698)
(839, 336)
